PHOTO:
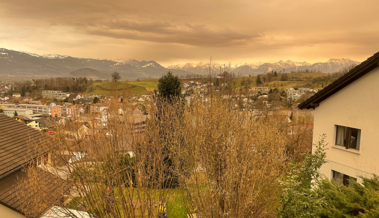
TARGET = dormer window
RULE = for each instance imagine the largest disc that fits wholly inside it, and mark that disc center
(348, 137)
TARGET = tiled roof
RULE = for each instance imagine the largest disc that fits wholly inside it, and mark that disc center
(21, 195)
(19, 144)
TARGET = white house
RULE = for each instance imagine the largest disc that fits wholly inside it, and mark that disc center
(16, 95)
(346, 111)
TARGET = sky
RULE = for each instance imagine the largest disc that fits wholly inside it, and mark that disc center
(178, 31)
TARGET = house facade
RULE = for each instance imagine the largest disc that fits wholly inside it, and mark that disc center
(54, 94)
(55, 111)
(20, 112)
(346, 111)
(16, 95)
(36, 108)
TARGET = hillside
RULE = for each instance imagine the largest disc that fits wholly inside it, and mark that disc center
(31, 66)
(123, 87)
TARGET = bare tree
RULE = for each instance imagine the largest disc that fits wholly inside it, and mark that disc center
(116, 76)
(218, 162)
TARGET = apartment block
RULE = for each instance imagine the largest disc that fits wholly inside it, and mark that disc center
(54, 94)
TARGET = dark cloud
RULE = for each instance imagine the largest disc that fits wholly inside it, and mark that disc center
(191, 30)
(164, 32)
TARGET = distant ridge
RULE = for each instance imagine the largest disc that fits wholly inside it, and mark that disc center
(29, 65)
(331, 66)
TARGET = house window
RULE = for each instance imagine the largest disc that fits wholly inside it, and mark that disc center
(348, 137)
(341, 178)
(46, 158)
(39, 161)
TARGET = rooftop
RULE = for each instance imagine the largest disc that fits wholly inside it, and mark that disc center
(18, 144)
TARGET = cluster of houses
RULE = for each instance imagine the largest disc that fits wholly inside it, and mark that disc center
(294, 94)
(36, 114)
(5, 88)
(195, 86)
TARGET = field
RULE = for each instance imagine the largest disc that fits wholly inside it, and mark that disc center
(137, 87)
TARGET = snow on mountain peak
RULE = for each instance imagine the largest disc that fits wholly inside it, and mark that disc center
(150, 64)
(54, 56)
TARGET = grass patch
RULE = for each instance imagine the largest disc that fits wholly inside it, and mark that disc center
(150, 85)
(99, 88)
(73, 204)
(176, 206)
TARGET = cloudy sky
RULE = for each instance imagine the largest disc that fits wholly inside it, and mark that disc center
(178, 31)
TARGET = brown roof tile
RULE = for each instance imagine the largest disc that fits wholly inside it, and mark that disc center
(18, 193)
(19, 144)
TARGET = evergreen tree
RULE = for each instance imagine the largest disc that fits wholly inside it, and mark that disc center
(1, 111)
(95, 100)
(167, 111)
(275, 74)
(353, 200)
(169, 87)
(217, 82)
(15, 113)
(259, 81)
(23, 92)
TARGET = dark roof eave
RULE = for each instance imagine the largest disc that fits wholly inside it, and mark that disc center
(357, 72)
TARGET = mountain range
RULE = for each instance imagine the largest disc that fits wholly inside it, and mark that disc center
(331, 66)
(29, 65)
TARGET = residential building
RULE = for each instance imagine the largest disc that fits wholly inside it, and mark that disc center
(346, 111)
(20, 112)
(55, 111)
(304, 90)
(54, 94)
(293, 95)
(16, 95)
(74, 110)
(36, 108)
(29, 122)
(16, 158)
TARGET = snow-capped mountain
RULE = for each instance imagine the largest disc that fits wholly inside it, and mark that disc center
(331, 66)
(29, 65)
(16, 63)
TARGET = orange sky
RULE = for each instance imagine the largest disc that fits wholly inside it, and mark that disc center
(177, 31)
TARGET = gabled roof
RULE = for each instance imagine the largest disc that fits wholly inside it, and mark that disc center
(18, 144)
(354, 74)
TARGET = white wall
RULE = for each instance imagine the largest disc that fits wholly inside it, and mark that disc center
(5, 212)
(357, 106)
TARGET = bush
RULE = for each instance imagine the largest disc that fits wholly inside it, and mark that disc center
(360, 200)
